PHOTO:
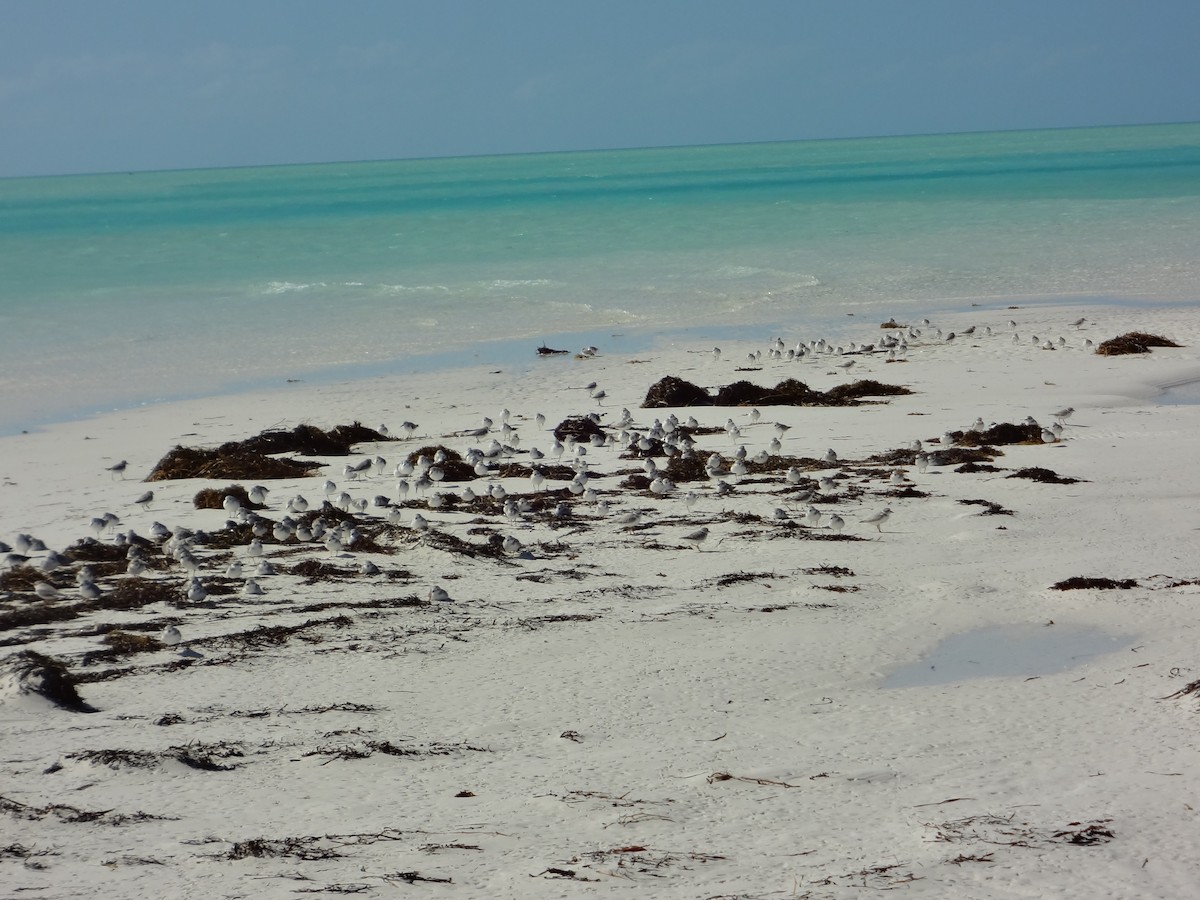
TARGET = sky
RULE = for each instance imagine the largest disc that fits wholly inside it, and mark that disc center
(128, 85)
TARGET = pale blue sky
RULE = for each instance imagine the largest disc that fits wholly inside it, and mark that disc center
(110, 85)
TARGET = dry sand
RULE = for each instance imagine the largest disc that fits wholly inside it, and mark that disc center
(610, 709)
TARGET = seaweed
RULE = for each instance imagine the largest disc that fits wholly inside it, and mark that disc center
(683, 469)
(123, 643)
(973, 468)
(47, 677)
(1044, 476)
(1079, 583)
(227, 461)
(256, 457)
(214, 498)
(1000, 434)
(452, 465)
(866, 387)
(90, 550)
(581, 428)
(991, 509)
(1133, 342)
(36, 614)
(134, 593)
(954, 456)
(309, 440)
(834, 571)
(673, 391)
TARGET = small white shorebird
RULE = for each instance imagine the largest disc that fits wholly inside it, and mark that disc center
(438, 594)
(696, 538)
(1063, 414)
(878, 519)
(170, 636)
(195, 591)
(47, 591)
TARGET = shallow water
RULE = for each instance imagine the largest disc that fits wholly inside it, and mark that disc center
(1185, 393)
(1023, 651)
(132, 288)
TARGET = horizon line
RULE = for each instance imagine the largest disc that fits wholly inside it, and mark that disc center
(614, 149)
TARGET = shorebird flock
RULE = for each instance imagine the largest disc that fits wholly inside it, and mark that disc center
(636, 481)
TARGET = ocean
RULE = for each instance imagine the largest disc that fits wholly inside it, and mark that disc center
(132, 288)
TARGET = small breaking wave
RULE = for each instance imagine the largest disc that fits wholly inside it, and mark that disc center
(291, 287)
(414, 288)
(508, 284)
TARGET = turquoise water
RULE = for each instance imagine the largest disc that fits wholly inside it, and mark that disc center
(129, 288)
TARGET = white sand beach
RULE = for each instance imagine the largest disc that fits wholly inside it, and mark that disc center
(608, 708)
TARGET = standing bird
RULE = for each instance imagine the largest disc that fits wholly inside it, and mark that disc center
(119, 468)
(878, 519)
(696, 538)
(47, 591)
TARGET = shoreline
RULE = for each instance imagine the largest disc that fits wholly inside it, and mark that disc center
(519, 353)
(620, 700)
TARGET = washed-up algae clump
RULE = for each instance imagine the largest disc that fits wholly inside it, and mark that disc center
(676, 392)
(1133, 342)
(255, 457)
